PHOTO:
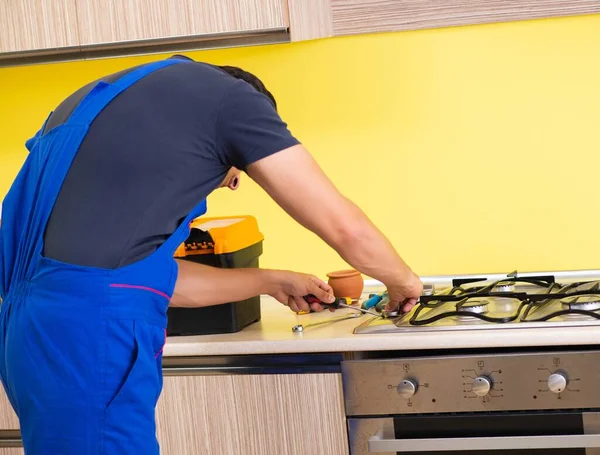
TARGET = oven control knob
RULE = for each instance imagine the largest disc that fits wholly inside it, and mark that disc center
(557, 382)
(481, 386)
(407, 388)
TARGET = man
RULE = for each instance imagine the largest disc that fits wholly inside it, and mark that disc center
(106, 195)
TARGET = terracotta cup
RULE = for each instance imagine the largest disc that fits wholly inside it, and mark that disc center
(346, 283)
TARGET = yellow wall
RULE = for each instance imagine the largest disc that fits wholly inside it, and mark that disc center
(474, 148)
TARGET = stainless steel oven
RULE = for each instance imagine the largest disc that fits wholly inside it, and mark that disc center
(518, 403)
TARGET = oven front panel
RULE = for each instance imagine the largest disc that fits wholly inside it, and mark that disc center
(486, 383)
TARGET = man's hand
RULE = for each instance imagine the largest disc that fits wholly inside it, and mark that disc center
(292, 287)
(404, 294)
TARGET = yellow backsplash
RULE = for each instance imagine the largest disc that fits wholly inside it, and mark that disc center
(475, 149)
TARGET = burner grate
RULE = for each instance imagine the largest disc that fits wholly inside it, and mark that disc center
(505, 301)
(576, 300)
(497, 310)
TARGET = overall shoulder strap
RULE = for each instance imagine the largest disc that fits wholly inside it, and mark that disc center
(91, 106)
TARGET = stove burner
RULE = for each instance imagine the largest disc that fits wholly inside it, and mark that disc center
(582, 302)
(428, 289)
(505, 287)
(474, 306)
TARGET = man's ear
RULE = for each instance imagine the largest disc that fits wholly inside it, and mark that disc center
(234, 184)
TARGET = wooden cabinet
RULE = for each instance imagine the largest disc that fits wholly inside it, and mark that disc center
(39, 29)
(295, 414)
(368, 16)
(310, 19)
(117, 21)
(321, 18)
(208, 16)
(27, 25)
(283, 414)
(8, 418)
(110, 21)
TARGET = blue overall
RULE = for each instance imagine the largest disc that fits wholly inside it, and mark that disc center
(80, 347)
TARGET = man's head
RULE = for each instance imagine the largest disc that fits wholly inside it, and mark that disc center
(251, 79)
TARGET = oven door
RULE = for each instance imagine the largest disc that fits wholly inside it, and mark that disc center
(547, 433)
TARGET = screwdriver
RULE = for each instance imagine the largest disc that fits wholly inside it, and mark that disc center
(342, 302)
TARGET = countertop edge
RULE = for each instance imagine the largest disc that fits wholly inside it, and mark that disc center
(273, 335)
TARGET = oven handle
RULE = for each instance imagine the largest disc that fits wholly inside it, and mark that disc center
(378, 444)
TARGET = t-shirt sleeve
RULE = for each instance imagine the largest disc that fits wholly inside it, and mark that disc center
(249, 127)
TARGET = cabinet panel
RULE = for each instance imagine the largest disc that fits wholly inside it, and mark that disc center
(368, 16)
(218, 16)
(310, 19)
(8, 418)
(300, 414)
(37, 24)
(111, 21)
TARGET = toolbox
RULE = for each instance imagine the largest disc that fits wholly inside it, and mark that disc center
(228, 242)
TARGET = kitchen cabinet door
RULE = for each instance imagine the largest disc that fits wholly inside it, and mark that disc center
(226, 16)
(310, 19)
(119, 21)
(296, 414)
(8, 418)
(27, 25)
(369, 16)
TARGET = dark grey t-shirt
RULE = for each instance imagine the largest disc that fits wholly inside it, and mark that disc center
(151, 156)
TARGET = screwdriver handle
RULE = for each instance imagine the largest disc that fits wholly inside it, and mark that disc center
(372, 301)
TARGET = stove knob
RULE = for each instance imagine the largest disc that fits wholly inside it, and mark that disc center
(481, 386)
(407, 388)
(557, 382)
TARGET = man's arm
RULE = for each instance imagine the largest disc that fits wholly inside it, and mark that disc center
(200, 285)
(297, 183)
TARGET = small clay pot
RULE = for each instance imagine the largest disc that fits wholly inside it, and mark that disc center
(346, 283)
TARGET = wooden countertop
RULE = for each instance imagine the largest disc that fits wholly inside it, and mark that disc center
(273, 335)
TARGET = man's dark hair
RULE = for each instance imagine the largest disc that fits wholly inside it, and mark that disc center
(251, 79)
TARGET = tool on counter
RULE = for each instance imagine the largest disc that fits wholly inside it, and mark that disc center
(382, 305)
(347, 300)
(373, 300)
(343, 302)
(380, 302)
(300, 328)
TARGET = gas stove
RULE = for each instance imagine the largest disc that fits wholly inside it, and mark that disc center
(561, 299)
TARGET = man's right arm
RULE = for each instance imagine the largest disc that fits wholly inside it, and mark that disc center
(200, 285)
(297, 183)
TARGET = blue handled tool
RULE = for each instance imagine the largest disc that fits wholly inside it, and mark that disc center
(372, 301)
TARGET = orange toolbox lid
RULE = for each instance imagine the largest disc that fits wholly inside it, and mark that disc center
(223, 235)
